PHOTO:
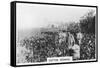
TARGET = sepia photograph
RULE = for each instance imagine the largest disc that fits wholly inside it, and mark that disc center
(48, 33)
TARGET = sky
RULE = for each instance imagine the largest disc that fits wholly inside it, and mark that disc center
(36, 15)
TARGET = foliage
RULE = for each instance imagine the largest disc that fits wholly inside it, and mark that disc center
(43, 46)
(73, 27)
(88, 47)
(87, 23)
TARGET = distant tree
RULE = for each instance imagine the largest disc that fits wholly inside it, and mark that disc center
(87, 23)
(52, 26)
(73, 27)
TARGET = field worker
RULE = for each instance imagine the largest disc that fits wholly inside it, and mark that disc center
(62, 37)
(71, 40)
(79, 37)
(76, 49)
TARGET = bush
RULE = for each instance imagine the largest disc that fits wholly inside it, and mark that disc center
(87, 50)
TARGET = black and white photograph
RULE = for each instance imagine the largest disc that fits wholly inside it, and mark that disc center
(48, 33)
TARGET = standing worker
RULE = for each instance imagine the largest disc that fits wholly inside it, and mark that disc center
(71, 40)
(79, 37)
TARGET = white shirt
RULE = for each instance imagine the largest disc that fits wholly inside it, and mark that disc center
(76, 49)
